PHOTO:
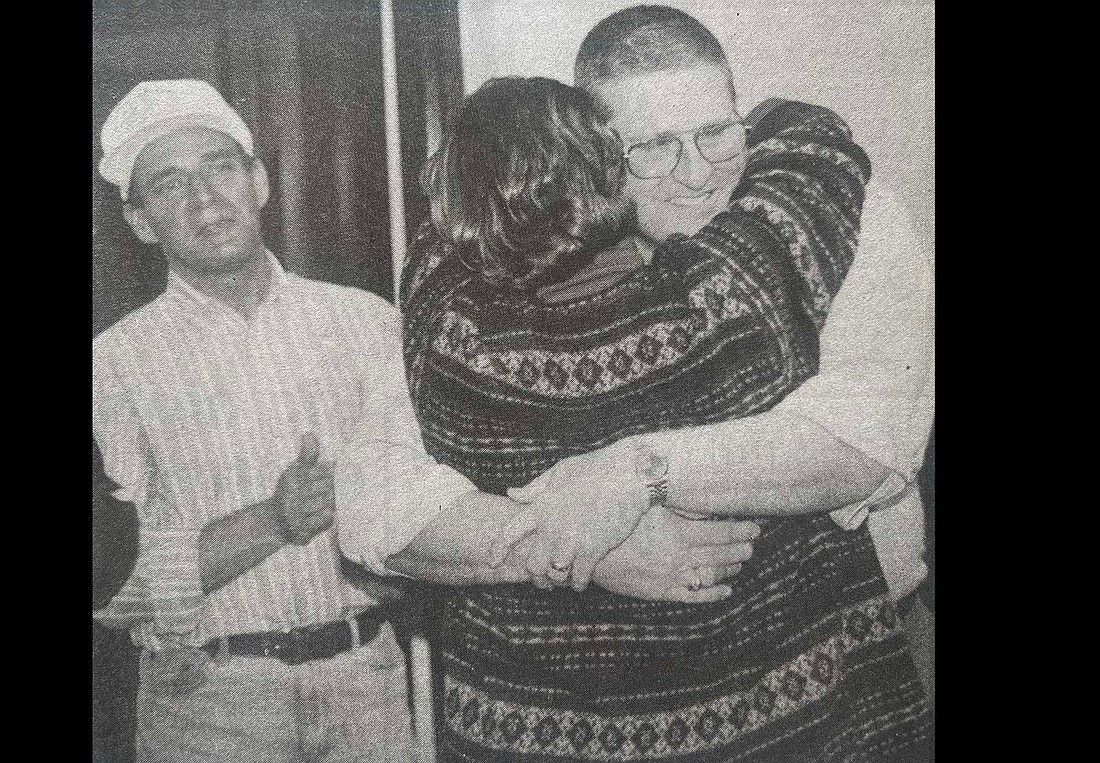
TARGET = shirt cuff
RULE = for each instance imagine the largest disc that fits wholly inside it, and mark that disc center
(891, 429)
(170, 563)
(385, 494)
(130, 606)
(854, 514)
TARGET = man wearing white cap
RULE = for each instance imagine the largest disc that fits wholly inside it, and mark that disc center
(213, 405)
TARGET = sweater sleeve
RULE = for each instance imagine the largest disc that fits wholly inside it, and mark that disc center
(479, 353)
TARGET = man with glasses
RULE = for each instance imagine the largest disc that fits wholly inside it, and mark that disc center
(528, 677)
(664, 85)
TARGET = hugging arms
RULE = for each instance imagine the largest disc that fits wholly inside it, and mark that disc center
(773, 463)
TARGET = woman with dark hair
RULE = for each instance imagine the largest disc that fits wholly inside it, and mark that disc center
(530, 198)
(534, 332)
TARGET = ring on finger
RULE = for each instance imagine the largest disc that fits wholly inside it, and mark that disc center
(696, 580)
(696, 577)
(557, 576)
(562, 568)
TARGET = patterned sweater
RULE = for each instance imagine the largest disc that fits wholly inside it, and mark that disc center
(723, 324)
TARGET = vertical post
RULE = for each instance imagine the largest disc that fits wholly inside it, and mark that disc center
(420, 659)
(286, 75)
(395, 184)
(423, 698)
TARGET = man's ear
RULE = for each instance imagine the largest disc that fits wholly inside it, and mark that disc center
(260, 183)
(135, 216)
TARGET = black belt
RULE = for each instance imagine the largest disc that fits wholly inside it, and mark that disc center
(294, 647)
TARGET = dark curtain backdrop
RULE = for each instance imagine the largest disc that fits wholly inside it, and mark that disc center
(307, 78)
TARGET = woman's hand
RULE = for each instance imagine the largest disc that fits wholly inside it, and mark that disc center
(670, 558)
(578, 511)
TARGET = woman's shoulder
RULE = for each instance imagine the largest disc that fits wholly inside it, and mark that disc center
(609, 267)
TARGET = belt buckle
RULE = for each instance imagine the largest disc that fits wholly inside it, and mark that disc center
(293, 649)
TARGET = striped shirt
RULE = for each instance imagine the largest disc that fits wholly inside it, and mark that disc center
(198, 411)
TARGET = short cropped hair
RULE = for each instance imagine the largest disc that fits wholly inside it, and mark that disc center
(527, 183)
(644, 39)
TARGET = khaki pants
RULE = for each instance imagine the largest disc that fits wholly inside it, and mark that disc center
(351, 707)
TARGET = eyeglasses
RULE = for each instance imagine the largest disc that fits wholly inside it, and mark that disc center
(657, 158)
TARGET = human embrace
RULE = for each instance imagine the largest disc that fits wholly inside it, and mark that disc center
(668, 383)
(631, 299)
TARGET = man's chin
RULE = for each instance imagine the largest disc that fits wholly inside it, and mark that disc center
(678, 226)
(688, 221)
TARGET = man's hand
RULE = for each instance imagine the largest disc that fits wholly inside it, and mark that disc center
(304, 503)
(579, 510)
(670, 558)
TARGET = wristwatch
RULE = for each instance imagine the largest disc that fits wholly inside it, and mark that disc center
(652, 468)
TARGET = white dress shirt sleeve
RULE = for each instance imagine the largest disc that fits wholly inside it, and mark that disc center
(165, 587)
(876, 384)
(387, 487)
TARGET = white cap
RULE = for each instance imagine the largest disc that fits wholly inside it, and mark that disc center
(154, 109)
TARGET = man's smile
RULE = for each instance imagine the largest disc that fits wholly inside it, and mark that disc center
(693, 200)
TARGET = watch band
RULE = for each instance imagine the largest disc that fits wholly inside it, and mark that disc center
(652, 468)
(658, 491)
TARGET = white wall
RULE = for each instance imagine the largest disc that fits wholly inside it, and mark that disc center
(872, 62)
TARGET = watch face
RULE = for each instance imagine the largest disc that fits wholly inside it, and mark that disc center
(651, 466)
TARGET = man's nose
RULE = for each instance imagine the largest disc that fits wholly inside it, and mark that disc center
(692, 170)
(202, 190)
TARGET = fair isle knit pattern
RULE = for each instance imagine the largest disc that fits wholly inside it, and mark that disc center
(483, 720)
(806, 660)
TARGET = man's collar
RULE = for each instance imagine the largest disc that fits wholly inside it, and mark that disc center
(179, 286)
(274, 289)
(278, 277)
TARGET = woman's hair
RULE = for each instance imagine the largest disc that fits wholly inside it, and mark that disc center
(527, 184)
